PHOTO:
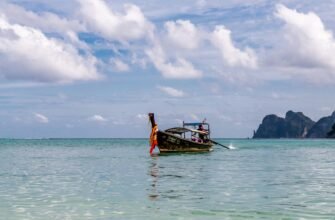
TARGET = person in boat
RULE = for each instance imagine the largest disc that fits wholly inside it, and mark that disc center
(202, 136)
(153, 138)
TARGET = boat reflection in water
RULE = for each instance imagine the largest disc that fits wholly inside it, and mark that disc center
(154, 173)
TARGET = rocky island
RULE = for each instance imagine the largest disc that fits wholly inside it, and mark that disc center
(331, 134)
(295, 125)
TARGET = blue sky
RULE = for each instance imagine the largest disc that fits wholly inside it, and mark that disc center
(95, 68)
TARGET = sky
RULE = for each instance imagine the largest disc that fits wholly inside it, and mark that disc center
(95, 68)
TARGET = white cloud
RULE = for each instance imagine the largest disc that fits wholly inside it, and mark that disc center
(41, 118)
(45, 21)
(27, 54)
(142, 116)
(180, 69)
(119, 65)
(232, 56)
(306, 44)
(183, 34)
(141, 61)
(171, 91)
(101, 19)
(73, 38)
(97, 118)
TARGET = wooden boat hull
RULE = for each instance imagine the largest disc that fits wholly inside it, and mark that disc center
(170, 143)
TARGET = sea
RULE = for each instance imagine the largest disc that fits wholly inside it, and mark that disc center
(117, 179)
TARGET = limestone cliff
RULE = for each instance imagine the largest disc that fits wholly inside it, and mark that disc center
(294, 125)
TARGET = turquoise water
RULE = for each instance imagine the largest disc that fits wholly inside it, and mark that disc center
(117, 179)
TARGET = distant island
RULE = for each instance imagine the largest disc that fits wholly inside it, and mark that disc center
(331, 134)
(296, 125)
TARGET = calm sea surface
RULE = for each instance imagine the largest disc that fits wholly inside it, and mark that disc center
(117, 179)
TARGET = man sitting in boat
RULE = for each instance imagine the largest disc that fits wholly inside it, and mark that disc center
(202, 134)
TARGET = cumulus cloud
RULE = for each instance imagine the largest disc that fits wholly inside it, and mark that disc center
(45, 21)
(171, 91)
(41, 118)
(232, 56)
(28, 54)
(180, 69)
(97, 118)
(307, 43)
(101, 19)
(183, 34)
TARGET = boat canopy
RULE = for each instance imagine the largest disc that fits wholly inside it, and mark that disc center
(194, 124)
(193, 127)
(179, 130)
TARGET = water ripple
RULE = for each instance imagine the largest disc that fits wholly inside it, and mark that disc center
(117, 179)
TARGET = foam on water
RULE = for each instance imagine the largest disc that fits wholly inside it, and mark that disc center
(231, 146)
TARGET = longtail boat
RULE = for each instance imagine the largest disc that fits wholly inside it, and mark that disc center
(191, 137)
